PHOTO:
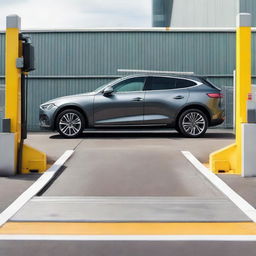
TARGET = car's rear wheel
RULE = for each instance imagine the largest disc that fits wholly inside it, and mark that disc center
(193, 123)
(70, 123)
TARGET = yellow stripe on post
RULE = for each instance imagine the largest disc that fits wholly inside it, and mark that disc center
(229, 159)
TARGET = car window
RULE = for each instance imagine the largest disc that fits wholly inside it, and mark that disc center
(130, 85)
(106, 85)
(162, 83)
(183, 83)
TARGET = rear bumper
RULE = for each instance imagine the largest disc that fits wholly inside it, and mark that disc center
(216, 122)
(218, 119)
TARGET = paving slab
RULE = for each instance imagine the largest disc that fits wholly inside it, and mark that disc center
(130, 209)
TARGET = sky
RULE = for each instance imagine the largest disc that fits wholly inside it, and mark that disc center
(54, 14)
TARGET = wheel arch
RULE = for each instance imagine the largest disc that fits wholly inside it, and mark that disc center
(74, 107)
(204, 109)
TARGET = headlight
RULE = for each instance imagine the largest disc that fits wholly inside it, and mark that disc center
(47, 106)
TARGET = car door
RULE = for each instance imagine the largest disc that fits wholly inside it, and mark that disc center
(123, 107)
(163, 99)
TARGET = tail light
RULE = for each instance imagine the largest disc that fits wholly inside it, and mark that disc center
(249, 96)
(215, 95)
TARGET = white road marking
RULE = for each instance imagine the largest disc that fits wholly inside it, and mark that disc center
(34, 188)
(242, 204)
(241, 238)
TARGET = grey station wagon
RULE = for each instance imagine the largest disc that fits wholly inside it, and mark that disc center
(190, 104)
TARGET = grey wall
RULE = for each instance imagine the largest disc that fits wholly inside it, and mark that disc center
(200, 13)
(75, 62)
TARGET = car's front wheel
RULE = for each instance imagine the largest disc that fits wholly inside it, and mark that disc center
(70, 123)
(193, 123)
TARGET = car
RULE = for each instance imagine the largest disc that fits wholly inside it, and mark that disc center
(188, 103)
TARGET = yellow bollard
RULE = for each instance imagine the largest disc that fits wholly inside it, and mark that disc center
(229, 159)
(32, 159)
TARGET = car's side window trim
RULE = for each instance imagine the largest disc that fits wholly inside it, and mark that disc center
(147, 84)
(126, 92)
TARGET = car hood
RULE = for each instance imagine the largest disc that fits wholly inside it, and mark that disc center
(69, 97)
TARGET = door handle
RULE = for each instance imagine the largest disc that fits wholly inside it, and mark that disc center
(137, 99)
(179, 97)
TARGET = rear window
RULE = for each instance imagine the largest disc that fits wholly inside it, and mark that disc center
(183, 83)
(168, 83)
(162, 83)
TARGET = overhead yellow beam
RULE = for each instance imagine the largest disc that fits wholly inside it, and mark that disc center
(229, 159)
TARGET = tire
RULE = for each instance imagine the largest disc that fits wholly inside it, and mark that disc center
(70, 123)
(193, 123)
(178, 129)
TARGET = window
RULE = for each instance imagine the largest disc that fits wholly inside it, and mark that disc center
(162, 83)
(182, 83)
(130, 85)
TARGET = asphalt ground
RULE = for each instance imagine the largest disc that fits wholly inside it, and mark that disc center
(215, 139)
(54, 146)
(117, 147)
(12, 187)
(115, 248)
(130, 166)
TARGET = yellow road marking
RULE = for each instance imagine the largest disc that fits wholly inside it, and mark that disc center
(64, 228)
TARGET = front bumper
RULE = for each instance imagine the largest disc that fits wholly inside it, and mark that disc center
(46, 119)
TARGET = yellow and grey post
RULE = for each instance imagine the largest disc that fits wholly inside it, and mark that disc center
(230, 158)
(9, 140)
(10, 146)
(249, 138)
(248, 124)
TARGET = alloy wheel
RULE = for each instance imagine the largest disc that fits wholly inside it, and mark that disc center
(70, 124)
(193, 123)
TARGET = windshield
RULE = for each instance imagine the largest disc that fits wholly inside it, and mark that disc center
(106, 85)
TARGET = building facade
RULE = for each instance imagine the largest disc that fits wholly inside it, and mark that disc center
(200, 13)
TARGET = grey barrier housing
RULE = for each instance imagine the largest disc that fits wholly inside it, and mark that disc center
(2, 104)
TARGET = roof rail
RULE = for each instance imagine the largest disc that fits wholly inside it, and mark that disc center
(154, 71)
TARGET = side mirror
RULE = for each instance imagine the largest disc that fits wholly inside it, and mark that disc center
(108, 91)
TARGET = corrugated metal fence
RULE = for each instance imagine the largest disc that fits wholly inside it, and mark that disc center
(70, 62)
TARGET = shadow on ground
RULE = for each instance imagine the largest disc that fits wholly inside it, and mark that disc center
(28, 177)
(127, 135)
